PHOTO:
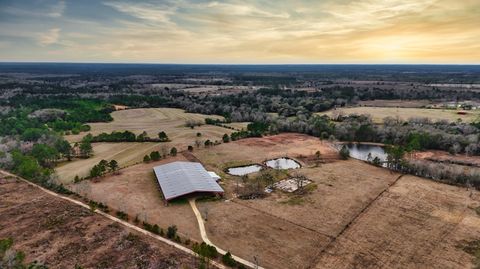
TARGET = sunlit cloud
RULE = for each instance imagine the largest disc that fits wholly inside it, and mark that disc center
(49, 37)
(347, 31)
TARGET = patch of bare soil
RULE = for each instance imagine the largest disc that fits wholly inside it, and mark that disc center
(445, 157)
(61, 235)
(415, 224)
(249, 233)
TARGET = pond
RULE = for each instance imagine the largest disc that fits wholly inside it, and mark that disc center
(361, 151)
(282, 163)
(244, 170)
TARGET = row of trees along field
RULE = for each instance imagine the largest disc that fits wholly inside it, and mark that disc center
(126, 136)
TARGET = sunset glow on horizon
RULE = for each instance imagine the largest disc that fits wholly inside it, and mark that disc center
(294, 32)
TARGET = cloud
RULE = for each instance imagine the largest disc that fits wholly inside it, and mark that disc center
(57, 10)
(146, 11)
(49, 37)
(53, 11)
(244, 10)
(260, 31)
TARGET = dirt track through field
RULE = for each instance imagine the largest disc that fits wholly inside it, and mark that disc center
(345, 228)
(114, 219)
(203, 232)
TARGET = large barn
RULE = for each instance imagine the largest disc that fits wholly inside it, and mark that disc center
(177, 179)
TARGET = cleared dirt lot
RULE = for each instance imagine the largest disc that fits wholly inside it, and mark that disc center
(415, 224)
(62, 235)
(151, 120)
(136, 192)
(379, 113)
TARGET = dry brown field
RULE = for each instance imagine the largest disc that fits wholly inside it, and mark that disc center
(397, 103)
(284, 232)
(356, 216)
(405, 113)
(257, 150)
(417, 223)
(238, 125)
(445, 157)
(61, 235)
(135, 191)
(151, 120)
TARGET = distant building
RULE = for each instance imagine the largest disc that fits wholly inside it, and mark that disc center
(178, 179)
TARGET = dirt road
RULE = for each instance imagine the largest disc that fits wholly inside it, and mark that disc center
(203, 233)
(114, 219)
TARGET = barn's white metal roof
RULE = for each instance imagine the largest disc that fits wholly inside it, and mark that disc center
(180, 178)
(214, 175)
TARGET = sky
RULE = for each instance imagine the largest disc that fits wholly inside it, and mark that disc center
(242, 32)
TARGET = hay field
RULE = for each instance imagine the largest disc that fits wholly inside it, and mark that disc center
(379, 113)
(151, 120)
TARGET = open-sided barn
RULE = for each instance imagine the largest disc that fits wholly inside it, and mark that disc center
(177, 179)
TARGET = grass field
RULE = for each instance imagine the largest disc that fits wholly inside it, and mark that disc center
(357, 216)
(415, 224)
(151, 120)
(397, 103)
(238, 125)
(352, 199)
(135, 191)
(379, 113)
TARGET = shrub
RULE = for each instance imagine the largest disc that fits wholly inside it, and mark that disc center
(226, 138)
(228, 260)
(155, 156)
(156, 229)
(172, 231)
(122, 215)
(344, 152)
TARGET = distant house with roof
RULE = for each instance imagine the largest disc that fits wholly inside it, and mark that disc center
(179, 179)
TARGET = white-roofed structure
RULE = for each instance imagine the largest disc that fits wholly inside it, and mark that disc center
(181, 178)
(214, 175)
